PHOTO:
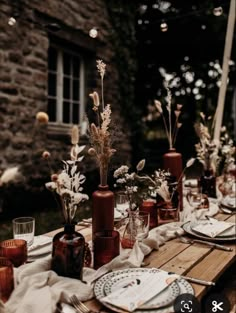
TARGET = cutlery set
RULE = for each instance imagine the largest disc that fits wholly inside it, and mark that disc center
(208, 243)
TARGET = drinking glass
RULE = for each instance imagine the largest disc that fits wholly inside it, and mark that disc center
(23, 228)
(122, 202)
(6, 279)
(15, 250)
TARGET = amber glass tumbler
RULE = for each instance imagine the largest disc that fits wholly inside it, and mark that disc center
(15, 250)
(6, 279)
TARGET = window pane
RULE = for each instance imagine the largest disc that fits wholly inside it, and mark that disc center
(66, 112)
(75, 89)
(52, 59)
(75, 117)
(52, 84)
(52, 110)
(66, 89)
(66, 64)
(76, 66)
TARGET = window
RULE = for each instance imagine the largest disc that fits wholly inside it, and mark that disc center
(65, 86)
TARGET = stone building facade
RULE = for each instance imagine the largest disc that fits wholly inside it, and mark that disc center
(24, 76)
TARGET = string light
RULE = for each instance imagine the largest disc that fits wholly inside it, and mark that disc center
(93, 33)
(218, 11)
(164, 26)
(11, 21)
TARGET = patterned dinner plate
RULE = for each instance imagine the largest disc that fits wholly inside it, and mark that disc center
(224, 236)
(160, 303)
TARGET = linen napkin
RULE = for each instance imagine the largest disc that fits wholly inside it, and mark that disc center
(212, 228)
(191, 214)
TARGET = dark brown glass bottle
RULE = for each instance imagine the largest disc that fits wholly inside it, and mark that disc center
(68, 253)
(207, 183)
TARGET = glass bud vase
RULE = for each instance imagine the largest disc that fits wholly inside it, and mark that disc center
(168, 211)
(207, 183)
(68, 253)
(102, 209)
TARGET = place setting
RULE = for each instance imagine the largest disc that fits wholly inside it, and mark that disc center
(211, 229)
(140, 289)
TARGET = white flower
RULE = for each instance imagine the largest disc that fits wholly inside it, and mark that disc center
(68, 183)
(120, 171)
(10, 175)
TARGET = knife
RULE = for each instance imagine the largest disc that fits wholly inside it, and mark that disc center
(194, 280)
(212, 244)
(198, 281)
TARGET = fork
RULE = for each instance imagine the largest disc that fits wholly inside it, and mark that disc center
(208, 243)
(82, 308)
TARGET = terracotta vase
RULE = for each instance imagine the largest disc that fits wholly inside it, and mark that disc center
(102, 210)
(68, 253)
(172, 161)
(207, 183)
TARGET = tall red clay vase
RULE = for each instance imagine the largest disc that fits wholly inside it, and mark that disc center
(172, 161)
(102, 210)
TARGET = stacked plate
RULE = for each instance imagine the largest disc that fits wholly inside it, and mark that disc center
(41, 248)
(227, 235)
(228, 203)
(161, 303)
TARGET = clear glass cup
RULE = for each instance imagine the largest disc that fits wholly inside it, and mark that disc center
(6, 279)
(121, 202)
(197, 199)
(24, 228)
(15, 250)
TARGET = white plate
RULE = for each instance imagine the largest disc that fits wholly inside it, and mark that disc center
(118, 216)
(107, 283)
(190, 183)
(229, 202)
(42, 247)
(187, 228)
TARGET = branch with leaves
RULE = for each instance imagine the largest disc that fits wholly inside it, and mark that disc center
(68, 183)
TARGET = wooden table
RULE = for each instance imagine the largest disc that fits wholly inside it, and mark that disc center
(194, 260)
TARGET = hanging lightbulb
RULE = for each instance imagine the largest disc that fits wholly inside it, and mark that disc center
(164, 26)
(11, 21)
(218, 11)
(93, 32)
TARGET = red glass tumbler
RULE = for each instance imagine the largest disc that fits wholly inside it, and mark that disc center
(106, 246)
(6, 279)
(15, 250)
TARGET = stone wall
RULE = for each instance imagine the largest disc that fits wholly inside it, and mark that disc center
(23, 80)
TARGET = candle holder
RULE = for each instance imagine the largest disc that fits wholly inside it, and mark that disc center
(6, 279)
(106, 246)
(149, 206)
(15, 250)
